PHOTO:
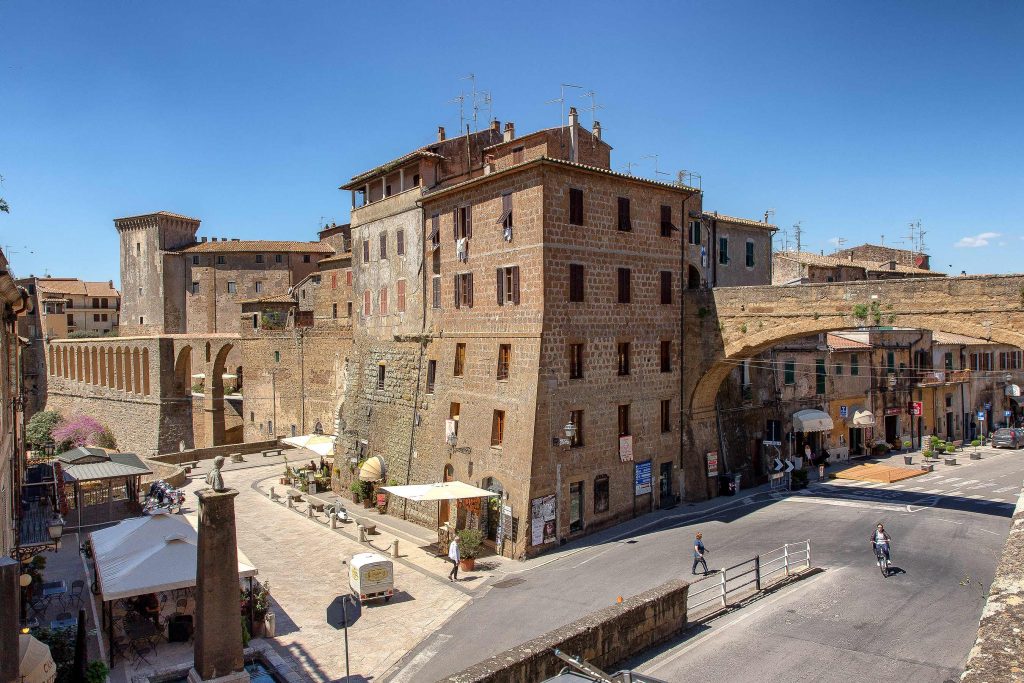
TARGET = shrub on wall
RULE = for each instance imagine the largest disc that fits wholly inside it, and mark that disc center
(82, 430)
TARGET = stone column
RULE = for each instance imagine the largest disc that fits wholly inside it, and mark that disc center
(218, 634)
(10, 614)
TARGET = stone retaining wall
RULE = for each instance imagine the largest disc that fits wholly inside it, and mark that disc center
(998, 654)
(192, 454)
(603, 638)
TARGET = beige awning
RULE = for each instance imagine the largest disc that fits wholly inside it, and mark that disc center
(36, 663)
(811, 421)
(442, 490)
(1012, 390)
(372, 469)
(863, 418)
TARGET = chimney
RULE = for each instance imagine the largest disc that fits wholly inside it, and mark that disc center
(440, 133)
(510, 132)
(496, 126)
(574, 122)
(203, 240)
(597, 129)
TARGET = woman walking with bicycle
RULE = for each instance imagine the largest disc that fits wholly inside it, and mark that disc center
(881, 541)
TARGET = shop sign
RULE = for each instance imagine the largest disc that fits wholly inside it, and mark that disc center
(542, 520)
(844, 411)
(626, 448)
(642, 477)
(713, 464)
(916, 408)
(893, 411)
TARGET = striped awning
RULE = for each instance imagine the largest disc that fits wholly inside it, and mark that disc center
(372, 469)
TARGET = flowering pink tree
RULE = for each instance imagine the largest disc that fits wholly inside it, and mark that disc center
(81, 430)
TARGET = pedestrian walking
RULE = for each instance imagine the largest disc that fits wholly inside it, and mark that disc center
(698, 553)
(454, 556)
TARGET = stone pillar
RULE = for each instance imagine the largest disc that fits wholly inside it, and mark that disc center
(218, 634)
(10, 614)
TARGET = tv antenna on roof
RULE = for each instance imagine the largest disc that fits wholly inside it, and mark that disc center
(594, 106)
(767, 213)
(839, 242)
(629, 167)
(561, 100)
(483, 100)
(655, 157)
(687, 178)
(798, 231)
(460, 100)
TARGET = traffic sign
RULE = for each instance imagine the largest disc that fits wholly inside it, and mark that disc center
(981, 415)
(988, 406)
(778, 465)
(1007, 413)
(916, 408)
(772, 443)
(789, 466)
(844, 411)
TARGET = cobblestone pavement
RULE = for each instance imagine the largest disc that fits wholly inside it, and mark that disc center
(302, 560)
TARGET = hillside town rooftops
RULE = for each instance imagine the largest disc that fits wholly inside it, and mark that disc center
(957, 339)
(387, 167)
(75, 287)
(256, 246)
(812, 259)
(837, 342)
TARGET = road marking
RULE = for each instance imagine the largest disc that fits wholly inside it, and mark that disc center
(743, 617)
(841, 503)
(975, 497)
(1005, 489)
(419, 661)
(898, 486)
(915, 488)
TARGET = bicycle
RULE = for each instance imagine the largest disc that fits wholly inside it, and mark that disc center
(883, 559)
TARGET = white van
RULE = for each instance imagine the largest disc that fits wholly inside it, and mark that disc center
(371, 576)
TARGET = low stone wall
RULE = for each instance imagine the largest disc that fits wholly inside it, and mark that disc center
(998, 654)
(192, 454)
(603, 638)
(172, 474)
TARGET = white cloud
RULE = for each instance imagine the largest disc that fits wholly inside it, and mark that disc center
(981, 240)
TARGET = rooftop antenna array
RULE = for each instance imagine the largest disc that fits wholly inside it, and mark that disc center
(917, 234)
(460, 99)
(785, 239)
(839, 241)
(689, 179)
(768, 213)
(798, 231)
(472, 82)
(594, 106)
(629, 167)
(656, 171)
(561, 100)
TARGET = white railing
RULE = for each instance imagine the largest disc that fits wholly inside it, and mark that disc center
(757, 572)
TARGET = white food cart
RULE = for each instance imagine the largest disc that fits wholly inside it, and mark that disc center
(371, 576)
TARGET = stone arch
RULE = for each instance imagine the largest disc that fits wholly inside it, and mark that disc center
(692, 277)
(145, 371)
(136, 372)
(183, 372)
(50, 355)
(119, 367)
(103, 367)
(110, 367)
(216, 427)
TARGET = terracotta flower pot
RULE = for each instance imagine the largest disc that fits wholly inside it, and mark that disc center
(468, 564)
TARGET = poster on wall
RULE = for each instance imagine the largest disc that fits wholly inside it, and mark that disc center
(504, 527)
(626, 448)
(642, 477)
(542, 520)
(713, 464)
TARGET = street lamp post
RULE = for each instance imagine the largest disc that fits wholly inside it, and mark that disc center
(570, 434)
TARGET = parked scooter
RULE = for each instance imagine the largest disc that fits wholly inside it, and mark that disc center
(163, 496)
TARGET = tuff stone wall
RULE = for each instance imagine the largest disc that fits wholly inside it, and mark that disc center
(603, 638)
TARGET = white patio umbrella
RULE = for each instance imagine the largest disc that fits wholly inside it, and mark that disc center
(321, 444)
(442, 490)
(36, 664)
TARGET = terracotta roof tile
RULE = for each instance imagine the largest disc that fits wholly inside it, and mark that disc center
(268, 246)
(72, 286)
(838, 342)
(273, 299)
(950, 338)
(740, 221)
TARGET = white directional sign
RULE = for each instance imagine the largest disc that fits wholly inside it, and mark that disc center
(778, 465)
(789, 466)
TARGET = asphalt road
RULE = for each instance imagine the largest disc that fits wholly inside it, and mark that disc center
(848, 621)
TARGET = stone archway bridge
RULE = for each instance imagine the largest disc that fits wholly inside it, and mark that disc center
(735, 323)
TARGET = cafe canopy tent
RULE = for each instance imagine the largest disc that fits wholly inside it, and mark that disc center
(863, 418)
(321, 444)
(811, 420)
(149, 554)
(442, 490)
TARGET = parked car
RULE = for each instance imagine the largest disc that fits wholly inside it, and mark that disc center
(1008, 437)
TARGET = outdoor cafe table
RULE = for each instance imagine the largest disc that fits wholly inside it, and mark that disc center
(63, 623)
(52, 589)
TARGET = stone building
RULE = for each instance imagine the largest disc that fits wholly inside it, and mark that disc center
(729, 251)
(876, 253)
(13, 300)
(793, 267)
(56, 308)
(506, 293)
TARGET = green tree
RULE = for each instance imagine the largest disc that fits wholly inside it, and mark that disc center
(39, 431)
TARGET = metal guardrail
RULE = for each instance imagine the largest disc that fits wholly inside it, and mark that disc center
(756, 571)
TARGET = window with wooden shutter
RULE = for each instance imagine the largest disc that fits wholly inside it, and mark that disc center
(625, 224)
(381, 371)
(666, 355)
(723, 250)
(504, 360)
(400, 295)
(383, 245)
(469, 289)
(463, 222)
(366, 251)
(498, 428)
(517, 155)
(624, 285)
(575, 206)
(576, 289)
(694, 232)
(431, 375)
(457, 285)
(400, 243)
(334, 280)
(500, 286)
(460, 360)
(750, 254)
(505, 220)
(666, 287)
(384, 301)
(348, 278)
(436, 293)
(435, 231)
(623, 357)
(666, 221)
(367, 302)
(515, 285)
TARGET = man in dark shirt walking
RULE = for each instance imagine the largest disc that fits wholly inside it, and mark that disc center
(698, 553)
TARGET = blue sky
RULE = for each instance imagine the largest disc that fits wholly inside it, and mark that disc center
(853, 118)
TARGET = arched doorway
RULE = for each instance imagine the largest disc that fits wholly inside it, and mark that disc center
(444, 509)
(692, 278)
(492, 508)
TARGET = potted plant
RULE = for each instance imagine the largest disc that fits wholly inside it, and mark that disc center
(908, 460)
(907, 444)
(356, 487)
(289, 473)
(367, 494)
(798, 479)
(470, 541)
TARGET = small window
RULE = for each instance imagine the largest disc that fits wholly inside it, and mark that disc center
(854, 365)
(305, 258)
(381, 373)
(839, 369)
(259, 287)
(666, 221)
(232, 287)
(195, 287)
(819, 375)
(666, 355)
(334, 311)
(498, 428)
(575, 206)
(723, 250)
(259, 258)
(431, 375)
(460, 360)
(138, 248)
(278, 258)
(694, 232)
(624, 420)
(623, 358)
(435, 231)
(95, 317)
(666, 415)
(348, 278)
(506, 216)
(141, 320)
(576, 417)
(366, 251)
(624, 284)
(103, 317)
(415, 179)
(195, 259)
(576, 361)
(463, 222)
(400, 295)
(789, 373)
(508, 285)
(221, 260)
(436, 292)
(948, 360)
(750, 254)
(400, 243)
(453, 414)
(601, 493)
(666, 287)
(464, 290)
(367, 303)
(252, 416)
(383, 246)
(517, 155)
(576, 282)
(625, 224)
(348, 306)
(277, 356)
(334, 280)
(504, 360)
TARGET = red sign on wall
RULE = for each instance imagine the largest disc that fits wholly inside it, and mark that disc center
(916, 408)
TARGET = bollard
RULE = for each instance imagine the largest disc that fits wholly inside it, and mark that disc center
(334, 520)
(289, 503)
(362, 534)
(309, 512)
(785, 557)
(271, 493)
(725, 591)
(394, 548)
(757, 573)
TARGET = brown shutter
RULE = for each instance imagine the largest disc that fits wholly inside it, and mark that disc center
(506, 202)
(457, 291)
(455, 223)
(515, 285)
(469, 290)
(469, 221)
(500, 289)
